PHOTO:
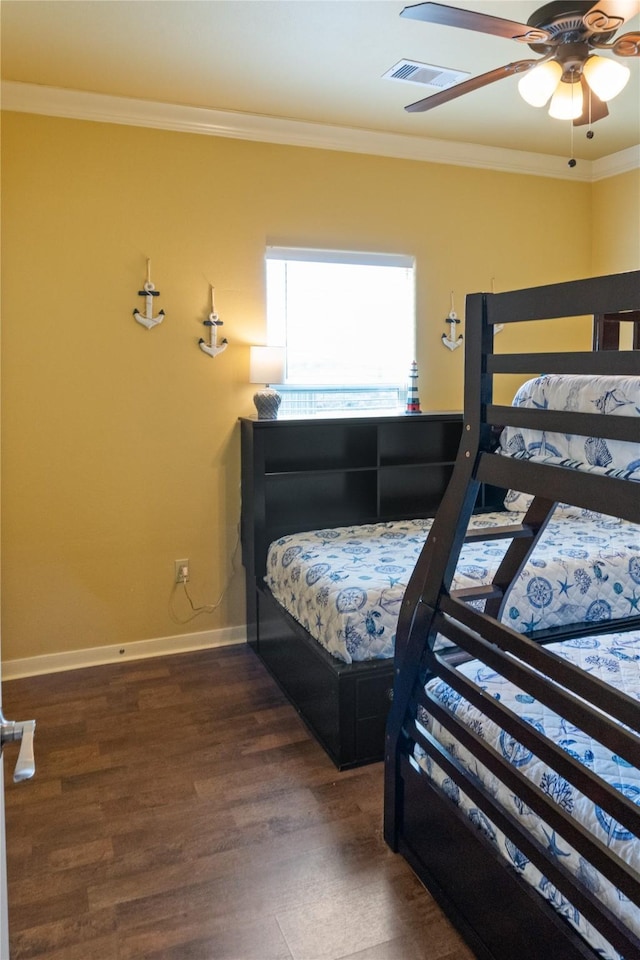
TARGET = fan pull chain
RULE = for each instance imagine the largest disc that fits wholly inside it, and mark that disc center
(572, 161)
(589, 131)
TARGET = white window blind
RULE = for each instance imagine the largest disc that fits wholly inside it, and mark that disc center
(347, 320)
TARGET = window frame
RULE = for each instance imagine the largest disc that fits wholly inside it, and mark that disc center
(278, 252)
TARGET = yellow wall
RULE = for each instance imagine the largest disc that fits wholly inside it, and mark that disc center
(120, 445)
(616, 224)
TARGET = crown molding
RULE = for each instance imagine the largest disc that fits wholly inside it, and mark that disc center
(621, 162)
(102, 108)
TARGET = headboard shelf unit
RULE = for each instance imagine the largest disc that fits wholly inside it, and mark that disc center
(318, 473)
(325, 472)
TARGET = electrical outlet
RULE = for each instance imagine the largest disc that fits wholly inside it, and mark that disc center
(181, 570)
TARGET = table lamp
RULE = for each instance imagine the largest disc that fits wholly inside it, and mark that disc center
(266, 365)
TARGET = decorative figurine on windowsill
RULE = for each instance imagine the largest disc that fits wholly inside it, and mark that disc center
(413, 401)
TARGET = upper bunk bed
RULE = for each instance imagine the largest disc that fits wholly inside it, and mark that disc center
(512, 767)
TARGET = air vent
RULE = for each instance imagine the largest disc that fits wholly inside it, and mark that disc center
(440, 78)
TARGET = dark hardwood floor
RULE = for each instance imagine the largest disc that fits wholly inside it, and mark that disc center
(181, 811)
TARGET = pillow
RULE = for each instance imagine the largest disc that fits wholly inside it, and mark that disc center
(612, 395)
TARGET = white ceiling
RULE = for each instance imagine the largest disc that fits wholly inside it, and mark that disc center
(320, 61)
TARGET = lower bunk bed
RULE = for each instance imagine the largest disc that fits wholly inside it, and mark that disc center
(512, 765)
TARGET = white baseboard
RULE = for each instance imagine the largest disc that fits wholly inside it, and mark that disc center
(137, 650)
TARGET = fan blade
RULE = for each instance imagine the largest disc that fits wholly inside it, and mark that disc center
(599, 109)
(520, 66)
(628, 45)
(605, 16)
(470, 20)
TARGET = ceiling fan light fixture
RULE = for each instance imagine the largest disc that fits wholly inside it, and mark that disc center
(537, 85)
(566, 103)
(606, 77)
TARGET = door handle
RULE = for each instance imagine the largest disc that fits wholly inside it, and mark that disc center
(22, 730)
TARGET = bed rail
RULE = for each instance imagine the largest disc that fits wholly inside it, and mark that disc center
(431, 610)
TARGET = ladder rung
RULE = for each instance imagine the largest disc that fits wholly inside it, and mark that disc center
(482, 592)
(514, 532)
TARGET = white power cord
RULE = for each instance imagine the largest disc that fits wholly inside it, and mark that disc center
(207, 607)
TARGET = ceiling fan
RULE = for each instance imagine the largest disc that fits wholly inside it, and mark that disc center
(570, 73)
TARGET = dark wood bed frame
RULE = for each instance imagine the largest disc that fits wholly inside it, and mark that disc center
(316, 473)
(500, 915)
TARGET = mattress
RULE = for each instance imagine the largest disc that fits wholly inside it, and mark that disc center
(345, 585)
(615, 658)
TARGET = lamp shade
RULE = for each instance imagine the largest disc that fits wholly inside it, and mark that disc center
(537, 85)
(606, 77)
(566, 103)
(266, 365)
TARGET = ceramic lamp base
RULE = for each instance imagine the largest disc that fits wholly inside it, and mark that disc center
(267, 404)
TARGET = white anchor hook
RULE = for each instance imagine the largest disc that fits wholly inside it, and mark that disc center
(450, 341)
(148, 292)
(213, 348)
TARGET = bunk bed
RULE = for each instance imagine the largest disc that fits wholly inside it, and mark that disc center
(512, 783)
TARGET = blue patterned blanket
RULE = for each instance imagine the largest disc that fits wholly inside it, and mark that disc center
(345, 585)
(615, 658)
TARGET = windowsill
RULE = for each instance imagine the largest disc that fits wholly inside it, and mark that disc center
(343, 414)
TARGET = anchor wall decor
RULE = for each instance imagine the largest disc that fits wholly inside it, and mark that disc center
(450, 341)
(213, 348)
(149, 292)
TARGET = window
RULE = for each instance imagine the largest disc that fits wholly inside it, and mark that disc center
(348, 322)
